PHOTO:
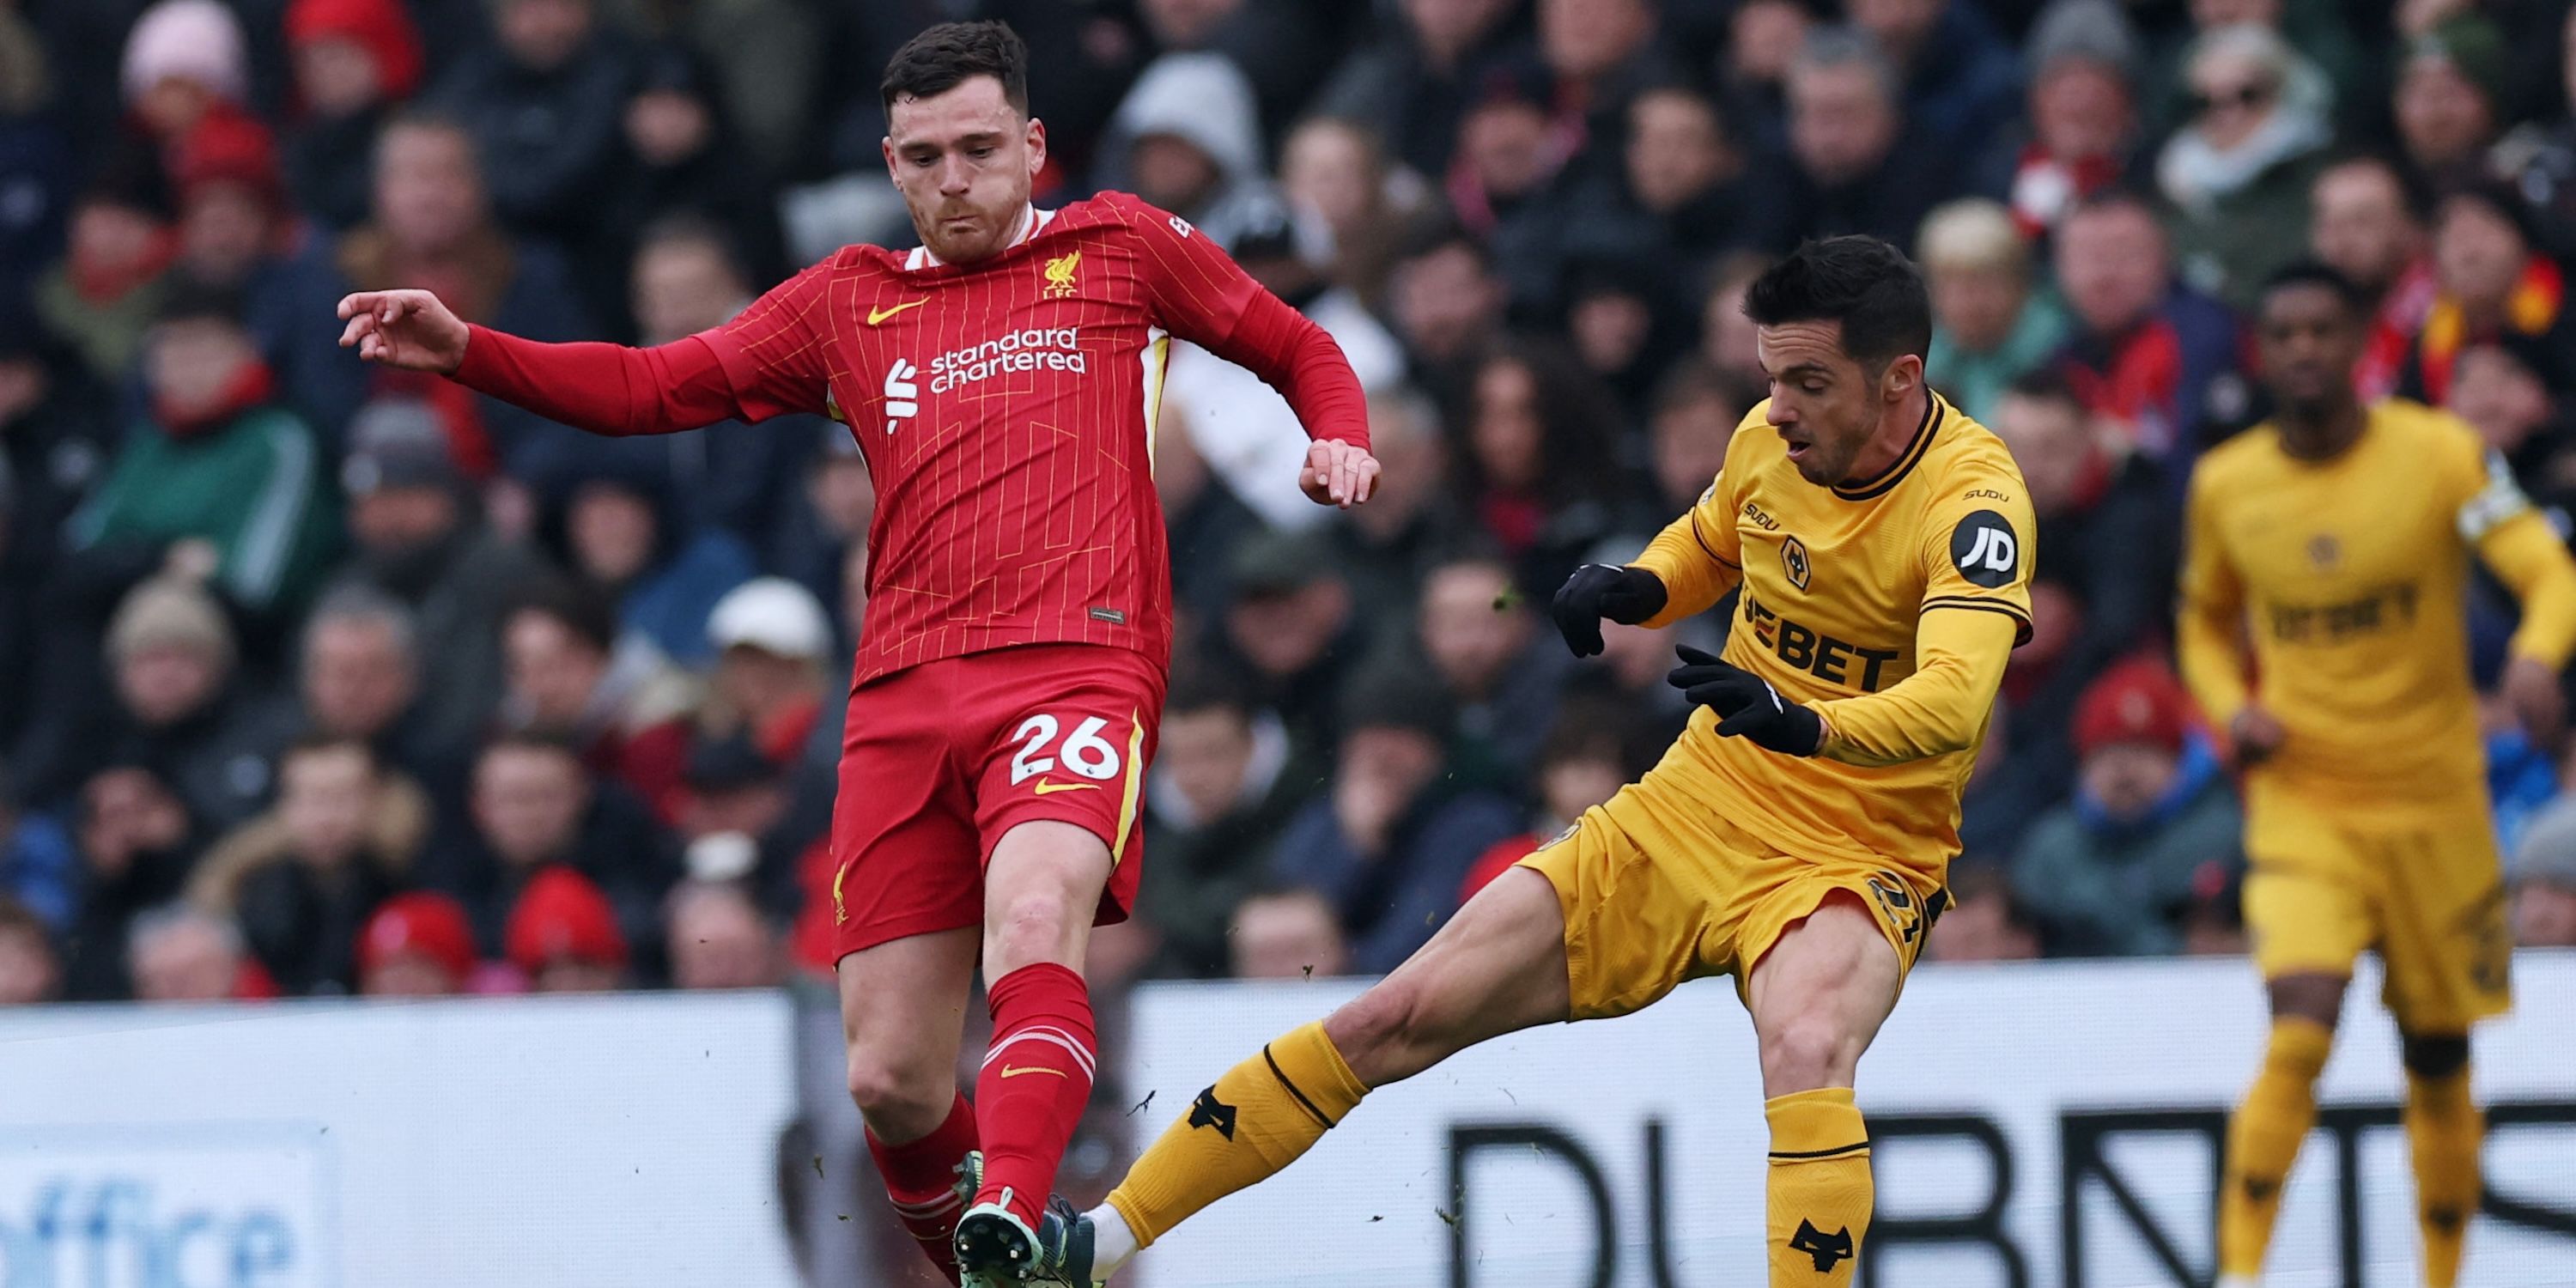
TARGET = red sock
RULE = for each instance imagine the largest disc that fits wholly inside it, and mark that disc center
(920, 1180)
(1036, 1080)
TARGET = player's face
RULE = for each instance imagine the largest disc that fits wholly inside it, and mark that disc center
(2308, 341)
(964, 160)
(1824, 403)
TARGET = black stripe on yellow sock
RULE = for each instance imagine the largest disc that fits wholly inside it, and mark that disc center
(1282, 1076)
(1801, 1155)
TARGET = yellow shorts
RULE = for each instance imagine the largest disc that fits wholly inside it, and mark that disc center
(1650, 904)
(2423, 889)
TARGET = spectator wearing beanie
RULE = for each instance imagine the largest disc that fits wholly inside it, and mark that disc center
(421, 540)
(1392, 839)
(179, 708)
(416, 945)
(221, 461)
(356, 61)
(2449, 102)
(2111, 871)
(186, 62)
(235, 225)
(2082, 132)
(564, 937)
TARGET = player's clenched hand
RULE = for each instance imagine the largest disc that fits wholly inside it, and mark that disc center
(2531, 687)
(406, 329)
(1624, 595)
(1337, 473)
(1746, 705)
(2252, 737)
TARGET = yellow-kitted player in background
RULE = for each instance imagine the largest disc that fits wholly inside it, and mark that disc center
(1796, 836)
(2337, 538)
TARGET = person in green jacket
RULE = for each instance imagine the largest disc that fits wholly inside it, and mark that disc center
(1992, 321)
(2152, 830)
(221, 461)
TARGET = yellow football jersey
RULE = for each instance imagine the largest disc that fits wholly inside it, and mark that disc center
(2350, 576)
(1849, 593)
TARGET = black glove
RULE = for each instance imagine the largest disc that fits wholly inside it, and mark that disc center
(1624, 595)
(1746, 705)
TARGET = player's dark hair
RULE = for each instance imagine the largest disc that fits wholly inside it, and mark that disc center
(948, 55)
(2312, 272)
(1868, 286)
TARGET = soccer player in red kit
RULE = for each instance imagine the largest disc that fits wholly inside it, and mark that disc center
(1002, 383)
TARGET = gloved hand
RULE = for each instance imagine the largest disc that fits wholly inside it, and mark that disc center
(1746, 705)
(1624, 595)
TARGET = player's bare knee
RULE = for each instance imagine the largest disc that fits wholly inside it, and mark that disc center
(1805, 1051)
(2316, 998)
(900, 1098)
(1380, 1032)
(1026, 927)
(2435, 1055)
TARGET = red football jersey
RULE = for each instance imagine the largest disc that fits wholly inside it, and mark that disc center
(1006, 410)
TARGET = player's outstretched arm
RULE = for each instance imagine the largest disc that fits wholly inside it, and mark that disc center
(602, 388)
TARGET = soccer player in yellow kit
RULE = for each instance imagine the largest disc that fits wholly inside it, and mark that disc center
(1796, 837)
(2337, 538)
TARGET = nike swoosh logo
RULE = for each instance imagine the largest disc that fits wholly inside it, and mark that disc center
(879, 315)
(1015, 1070)
(1046, 788)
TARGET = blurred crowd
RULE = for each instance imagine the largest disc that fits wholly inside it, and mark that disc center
(317, 678)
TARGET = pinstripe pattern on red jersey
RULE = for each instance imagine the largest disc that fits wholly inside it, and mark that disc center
(1015, 505)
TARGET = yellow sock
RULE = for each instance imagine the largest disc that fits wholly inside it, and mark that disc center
(1257, 1119)
(2263, 1140)
(1820, 1189)
(2443, 1128)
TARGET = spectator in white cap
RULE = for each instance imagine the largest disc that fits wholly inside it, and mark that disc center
(2544, 879)
(184, 60)
(772, 639)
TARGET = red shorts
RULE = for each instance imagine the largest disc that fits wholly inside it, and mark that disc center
(943, 758)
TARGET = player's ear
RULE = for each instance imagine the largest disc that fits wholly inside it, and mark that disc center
(1037, 146)
(1901, 378)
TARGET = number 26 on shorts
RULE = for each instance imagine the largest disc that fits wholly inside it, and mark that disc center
(1084, 753)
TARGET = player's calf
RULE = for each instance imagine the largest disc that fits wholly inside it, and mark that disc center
(2444, 1130)
(1041, 888)
(1818, 997)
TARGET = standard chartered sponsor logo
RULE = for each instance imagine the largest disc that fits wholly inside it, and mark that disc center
(1035, 349)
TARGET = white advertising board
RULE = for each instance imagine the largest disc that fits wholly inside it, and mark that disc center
(629, 1141)
(2034, 1126)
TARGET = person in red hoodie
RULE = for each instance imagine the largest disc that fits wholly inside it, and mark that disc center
(355, 62)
